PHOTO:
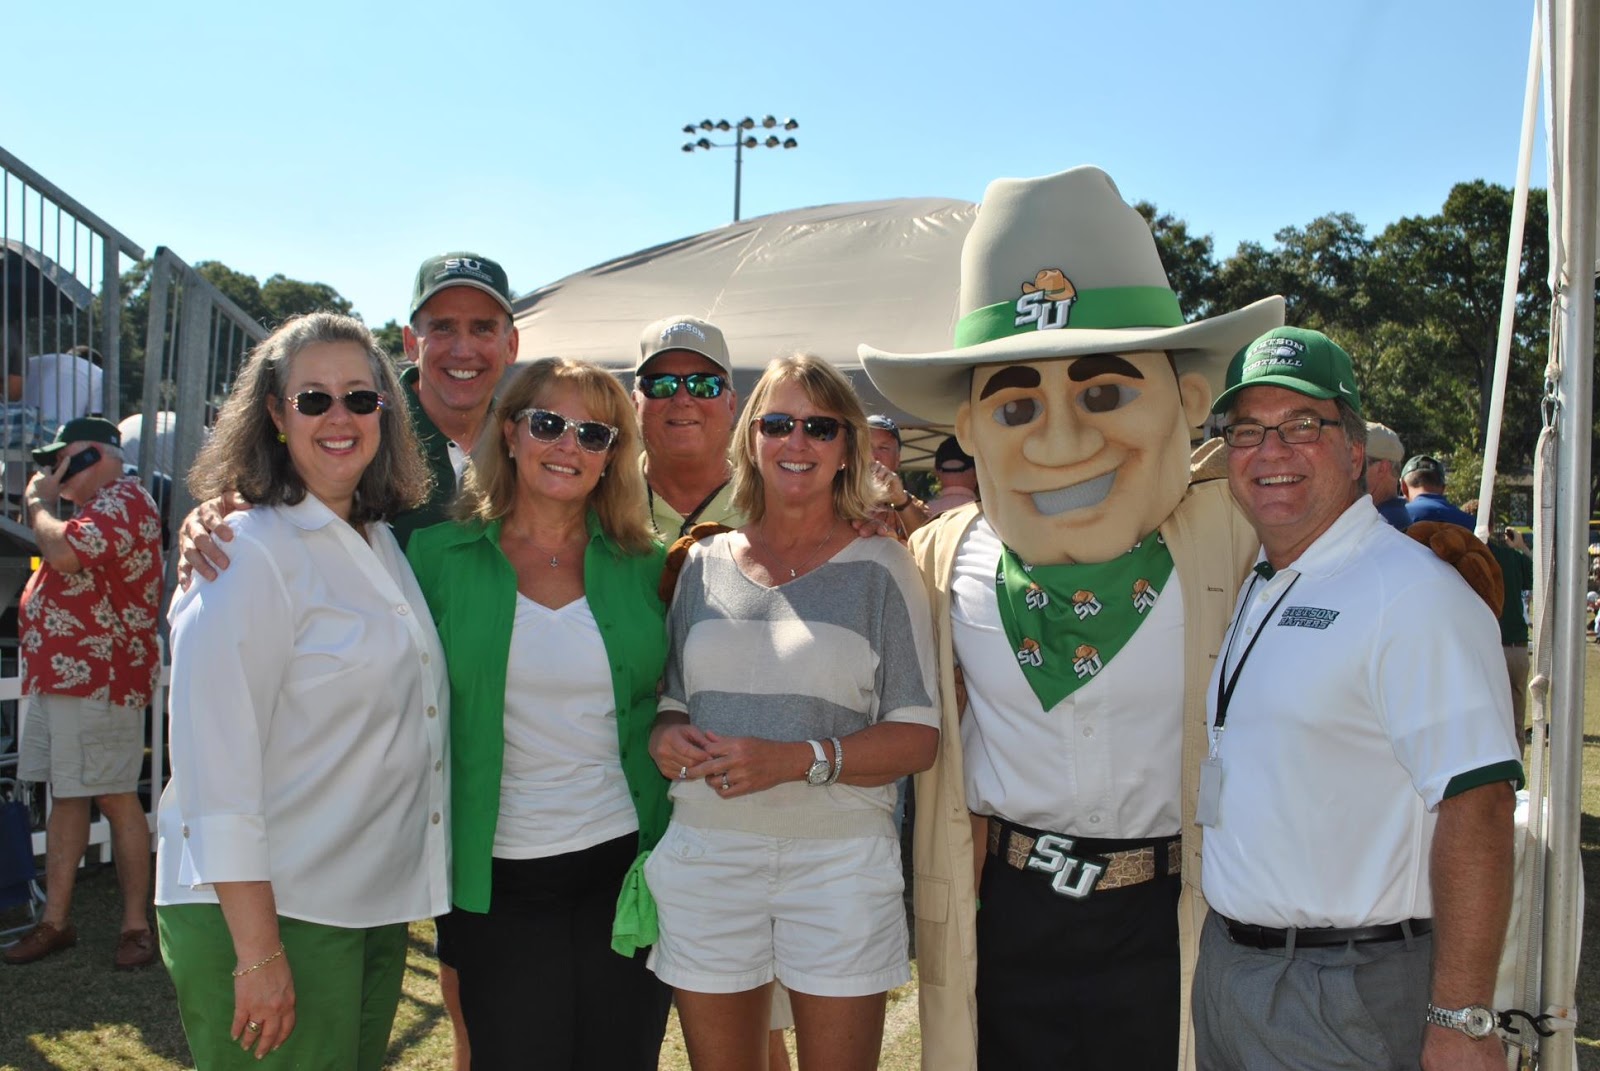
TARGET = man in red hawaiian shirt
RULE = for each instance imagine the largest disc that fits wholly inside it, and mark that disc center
(89, 661)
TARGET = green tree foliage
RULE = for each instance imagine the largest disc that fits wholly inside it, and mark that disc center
(389, 336)
(269, 304)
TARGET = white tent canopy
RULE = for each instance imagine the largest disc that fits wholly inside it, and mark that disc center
(820, 280)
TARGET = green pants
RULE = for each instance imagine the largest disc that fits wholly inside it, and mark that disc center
(346, 990)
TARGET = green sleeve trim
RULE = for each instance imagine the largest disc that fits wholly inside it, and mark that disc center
(1511, 770)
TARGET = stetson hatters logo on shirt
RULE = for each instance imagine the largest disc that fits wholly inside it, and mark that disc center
(1046, 302)
(1307, 617)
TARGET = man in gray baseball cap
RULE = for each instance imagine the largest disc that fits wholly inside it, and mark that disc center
(683, 390)
(1384, 454)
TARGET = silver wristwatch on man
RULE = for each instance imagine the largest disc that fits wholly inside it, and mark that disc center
(817, 773)
(1474, 1020)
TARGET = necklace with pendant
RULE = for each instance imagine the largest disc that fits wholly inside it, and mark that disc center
(794, 571)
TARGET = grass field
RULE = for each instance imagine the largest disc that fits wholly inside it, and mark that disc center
(72, 1012)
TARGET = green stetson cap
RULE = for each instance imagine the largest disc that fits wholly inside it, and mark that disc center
(1294, 358)
(89, 429)
(460, 269)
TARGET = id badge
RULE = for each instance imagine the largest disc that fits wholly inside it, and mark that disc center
(1205, 811)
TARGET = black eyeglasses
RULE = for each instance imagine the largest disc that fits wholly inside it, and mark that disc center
(699, 385)
(547, 427)
(1296, 431)
(358, 402)
(824, 429)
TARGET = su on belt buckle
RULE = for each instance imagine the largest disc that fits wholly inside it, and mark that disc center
(1074, 877)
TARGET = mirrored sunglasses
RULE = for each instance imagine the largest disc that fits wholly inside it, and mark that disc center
(358, 402)
(781, 425)
(699, 385)
(547, 427)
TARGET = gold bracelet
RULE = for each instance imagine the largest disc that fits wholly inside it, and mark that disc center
(257, 966)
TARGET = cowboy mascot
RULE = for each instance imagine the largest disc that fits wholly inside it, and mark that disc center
(1077, 613)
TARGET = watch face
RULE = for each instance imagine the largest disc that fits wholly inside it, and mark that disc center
(818, 773)
(1479, 1021)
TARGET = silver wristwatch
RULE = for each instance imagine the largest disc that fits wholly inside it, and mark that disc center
(1474, 1020)
(817, 773)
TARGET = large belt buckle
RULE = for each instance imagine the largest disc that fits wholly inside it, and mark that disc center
(1074, 877)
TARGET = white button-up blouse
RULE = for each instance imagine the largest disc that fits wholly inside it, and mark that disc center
(309, 725)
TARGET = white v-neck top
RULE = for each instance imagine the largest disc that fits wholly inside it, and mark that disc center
(561, 782)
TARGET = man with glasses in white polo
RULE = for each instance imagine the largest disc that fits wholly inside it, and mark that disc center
(1357, 795)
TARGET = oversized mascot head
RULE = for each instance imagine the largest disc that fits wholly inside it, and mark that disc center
(1074, 380)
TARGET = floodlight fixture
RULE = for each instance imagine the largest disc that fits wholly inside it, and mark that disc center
(740, 142)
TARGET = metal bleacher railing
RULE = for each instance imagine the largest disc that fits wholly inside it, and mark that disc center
(62, 343)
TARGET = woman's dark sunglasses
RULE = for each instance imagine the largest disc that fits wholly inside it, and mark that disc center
(781, 425)
(317, 402)
(547, 427)
(699, 384)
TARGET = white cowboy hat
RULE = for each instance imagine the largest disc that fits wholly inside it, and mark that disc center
(1060, 266)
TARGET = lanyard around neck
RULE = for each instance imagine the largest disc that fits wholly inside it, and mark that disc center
(1225, 694)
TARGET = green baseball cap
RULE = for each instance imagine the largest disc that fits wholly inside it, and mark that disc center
(89, 429)
(1294, 358)
(460, 269)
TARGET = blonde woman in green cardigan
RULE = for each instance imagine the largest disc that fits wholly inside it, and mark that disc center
(544, 592)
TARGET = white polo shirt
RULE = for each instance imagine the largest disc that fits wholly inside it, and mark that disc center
(1102, 763)
(1374, 680)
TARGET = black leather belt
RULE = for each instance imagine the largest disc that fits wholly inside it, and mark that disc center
(1242, 933)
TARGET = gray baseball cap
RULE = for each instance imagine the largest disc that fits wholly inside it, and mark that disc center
(1383, 444)
(684, 333)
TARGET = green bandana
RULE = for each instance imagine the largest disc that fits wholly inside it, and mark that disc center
(1067, 622)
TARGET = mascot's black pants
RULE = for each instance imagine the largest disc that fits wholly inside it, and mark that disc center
(1065, 983)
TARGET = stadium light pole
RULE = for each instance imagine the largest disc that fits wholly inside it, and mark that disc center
(742, 140)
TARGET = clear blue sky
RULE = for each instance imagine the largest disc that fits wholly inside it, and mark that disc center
(343, 143)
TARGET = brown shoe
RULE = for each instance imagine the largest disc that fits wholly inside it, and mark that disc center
(135, 949)
(40, 941)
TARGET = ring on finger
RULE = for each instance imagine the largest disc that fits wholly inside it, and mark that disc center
(253, 1026)
(683, 773)
(725, 785)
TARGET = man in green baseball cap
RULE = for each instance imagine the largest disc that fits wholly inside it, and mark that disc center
(1355, 658)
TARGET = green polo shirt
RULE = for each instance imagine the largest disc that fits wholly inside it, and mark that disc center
(436, 449)
(472, 592)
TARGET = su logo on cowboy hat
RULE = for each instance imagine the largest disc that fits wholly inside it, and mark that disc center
(1075, 221)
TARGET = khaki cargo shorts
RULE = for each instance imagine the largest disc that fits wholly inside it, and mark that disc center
(83, 747)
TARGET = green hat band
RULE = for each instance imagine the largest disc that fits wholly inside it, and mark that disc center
(1108, 308)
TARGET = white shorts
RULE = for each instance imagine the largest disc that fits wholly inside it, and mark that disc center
(823, 916)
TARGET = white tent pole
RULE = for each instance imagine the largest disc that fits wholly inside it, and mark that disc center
(1579, 174)
(1508, 292)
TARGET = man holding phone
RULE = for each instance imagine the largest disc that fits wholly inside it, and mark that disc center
(89, 661)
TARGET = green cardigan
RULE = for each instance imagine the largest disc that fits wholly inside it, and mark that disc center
(472, 592)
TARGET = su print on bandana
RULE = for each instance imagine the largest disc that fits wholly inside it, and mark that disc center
(1066, 623)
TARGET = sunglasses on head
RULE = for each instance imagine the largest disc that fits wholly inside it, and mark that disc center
(547, 427)
(357, 402)
(699, 385)
(781, 425)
